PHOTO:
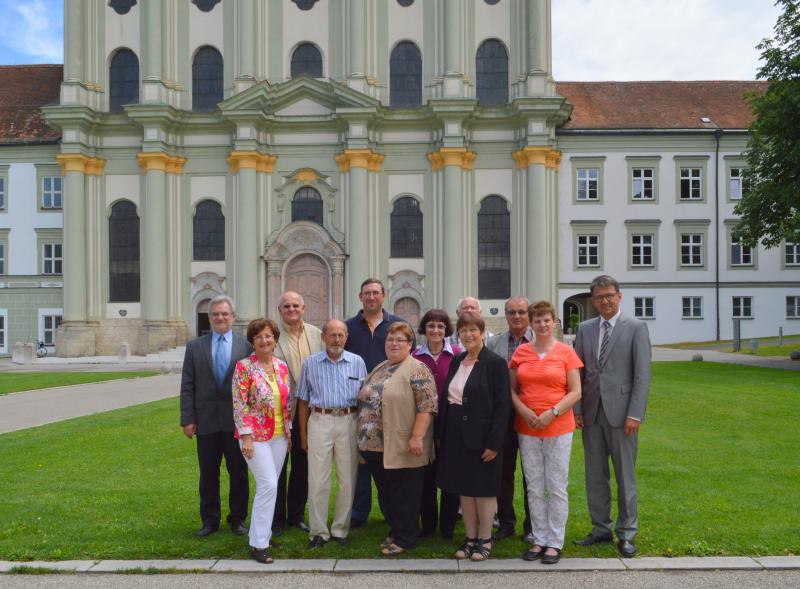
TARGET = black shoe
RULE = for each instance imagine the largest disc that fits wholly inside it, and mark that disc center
(531, 555)
(262, 555)
(239, 528)
(503, 532)
(626, 548)
(301, 525)
(316, 542)
(341, 541)
(277, 530)
(207, 530)
(591, 540)
(356, 523)
(548, 559)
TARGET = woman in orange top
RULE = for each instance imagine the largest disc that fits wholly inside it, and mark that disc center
(262, 414)
(545, 384)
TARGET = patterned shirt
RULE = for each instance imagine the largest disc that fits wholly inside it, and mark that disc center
(331, 385)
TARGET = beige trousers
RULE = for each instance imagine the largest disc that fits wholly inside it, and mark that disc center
(331, 438)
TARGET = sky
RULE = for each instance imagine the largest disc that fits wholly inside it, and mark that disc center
(592, 39)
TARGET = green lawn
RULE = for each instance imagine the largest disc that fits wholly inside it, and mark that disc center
(718, 474)
(782, 351)
(13, 382)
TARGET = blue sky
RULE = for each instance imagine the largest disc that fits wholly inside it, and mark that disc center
(592, 39)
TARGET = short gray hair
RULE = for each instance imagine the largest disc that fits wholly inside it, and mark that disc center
(603, 281)
(329, 321)
(218, 300)
(519, 298)
(280, 299)
(461, 302)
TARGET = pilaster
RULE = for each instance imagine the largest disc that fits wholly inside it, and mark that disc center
(452, 33)
(151, 42)
(246, 68)
(356, 63)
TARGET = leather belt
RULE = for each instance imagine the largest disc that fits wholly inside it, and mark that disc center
(336, 411)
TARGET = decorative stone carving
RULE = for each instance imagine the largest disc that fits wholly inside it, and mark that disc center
(406, 284)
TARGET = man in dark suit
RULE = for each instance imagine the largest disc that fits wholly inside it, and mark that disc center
(615, 351)
(207, 412)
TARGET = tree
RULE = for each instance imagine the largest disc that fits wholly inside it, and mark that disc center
(770, 207)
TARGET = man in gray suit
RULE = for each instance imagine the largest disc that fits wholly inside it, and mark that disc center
(207, 412)
(615, 351)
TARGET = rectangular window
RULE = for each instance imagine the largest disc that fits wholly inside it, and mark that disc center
(691, 184)
(742, 307)
(588, 250)
(588, 181)
(2, 258)
(2, 193)
(692, 249)
(3, 331)
(792, 254)
(51, 258)
(741, 255)
(793, 307)
(51, 192)
(49, 325)
(644, 307)
(642, 184)
(736, 186)
(692, 307)
(641, 250)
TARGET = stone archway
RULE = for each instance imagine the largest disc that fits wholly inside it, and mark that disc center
(309, 275)
(408, 309)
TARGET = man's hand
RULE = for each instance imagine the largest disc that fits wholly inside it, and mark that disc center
(488, 455)
(189, 430)
(579, 421)
(631, 426)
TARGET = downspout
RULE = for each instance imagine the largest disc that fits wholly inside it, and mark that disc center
(717, 136)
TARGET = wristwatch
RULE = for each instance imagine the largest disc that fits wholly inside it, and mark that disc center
(555, 411)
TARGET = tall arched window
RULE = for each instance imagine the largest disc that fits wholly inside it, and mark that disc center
(207, 74)
(491, 72)
(123, 253)
(209, 231)
(405, 75)
(307, 60)
(494, 249)
(307, 205)
(406, 228)
(123, 80)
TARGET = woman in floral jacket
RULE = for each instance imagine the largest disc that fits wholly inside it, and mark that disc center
(263, 420)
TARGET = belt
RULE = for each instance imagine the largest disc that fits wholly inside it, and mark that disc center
(336, 411)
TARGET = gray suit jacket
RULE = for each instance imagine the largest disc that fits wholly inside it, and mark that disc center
(499, 343)
(203, 403)
(623, 381)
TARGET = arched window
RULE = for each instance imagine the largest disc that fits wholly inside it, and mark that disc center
(494, 249)
(205, 5)
(307, 60)
(121, 6)
(406, 228)
(123, 253)
(405, 75)
(307, 206)
(209, 231)
(491, 72)
(206, 79)
(123, 80)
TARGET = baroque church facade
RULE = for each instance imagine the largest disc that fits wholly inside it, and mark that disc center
(248, 147)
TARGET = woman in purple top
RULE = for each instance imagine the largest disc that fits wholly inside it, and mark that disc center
(437, 353)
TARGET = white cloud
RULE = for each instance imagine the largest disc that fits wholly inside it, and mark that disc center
(659, 39)
(34, 30)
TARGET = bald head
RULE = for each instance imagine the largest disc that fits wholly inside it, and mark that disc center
(291, 308)
(334, 336)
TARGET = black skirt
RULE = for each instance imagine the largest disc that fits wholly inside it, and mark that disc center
(461, 471)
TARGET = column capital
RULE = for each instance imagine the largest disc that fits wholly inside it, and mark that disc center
(77, 162)
(359, 158)
(161, 162)
(452, 156)
(539, 154)
(251, 160)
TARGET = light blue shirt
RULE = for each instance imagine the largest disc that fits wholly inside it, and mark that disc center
(228, 337)
(331, 385)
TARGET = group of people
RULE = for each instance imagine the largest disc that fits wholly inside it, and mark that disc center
(437, 426)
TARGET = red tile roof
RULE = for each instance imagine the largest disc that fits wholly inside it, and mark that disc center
(23, 90)
(658, 105)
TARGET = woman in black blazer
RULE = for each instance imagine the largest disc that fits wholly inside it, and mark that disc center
(474, 413)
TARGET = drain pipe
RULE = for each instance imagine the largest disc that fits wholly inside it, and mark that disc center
(717, 136)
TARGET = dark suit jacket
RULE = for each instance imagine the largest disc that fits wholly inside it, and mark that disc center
(486, 403)
(202, 401)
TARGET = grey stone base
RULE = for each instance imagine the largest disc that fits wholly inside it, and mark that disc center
(76, 338)
(113, 332)
(163, 335)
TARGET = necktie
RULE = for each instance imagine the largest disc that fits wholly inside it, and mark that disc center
(220, 361)
(604, 345)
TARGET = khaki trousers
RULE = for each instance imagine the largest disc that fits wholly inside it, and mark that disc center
(331, 438)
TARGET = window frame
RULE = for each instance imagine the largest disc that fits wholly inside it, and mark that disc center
(207, 108)
(4, 258)
(796, 307)
(730, 244)
(734, 163)
(482, 75)
(741, 299)
(636, 162)
(416, 219)
(44, 314)
(587, 163)
(795, 247)
(692, 299)
(396, 76)
(48, 171)
(4, 188)
(582, 228)
(113, 107)
(4, 331)
(319, 205)
(49, 237)
(641, 309)
(137, 261)
(687, 162)
(642, 227)
(195, 220)
(292, 75)
(691, 227)
(508, 254)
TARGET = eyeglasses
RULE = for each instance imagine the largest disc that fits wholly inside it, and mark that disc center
(516, 312)
(371, 293)
(607, 297)
(397, 340)
(264, 337)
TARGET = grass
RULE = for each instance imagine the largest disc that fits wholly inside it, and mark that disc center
(718, 474)
(13, 382)
(782, 351)
(720, 344)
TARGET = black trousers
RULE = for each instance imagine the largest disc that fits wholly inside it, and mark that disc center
(290, 506)
(210, 450)
(433, 513)
(505, 502)
(401, 489)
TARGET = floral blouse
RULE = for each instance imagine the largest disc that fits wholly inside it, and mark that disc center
(254, 401)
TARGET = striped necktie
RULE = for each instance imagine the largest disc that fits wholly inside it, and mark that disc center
(604, 345)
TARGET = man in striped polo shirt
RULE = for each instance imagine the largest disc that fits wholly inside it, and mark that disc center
(327, 395)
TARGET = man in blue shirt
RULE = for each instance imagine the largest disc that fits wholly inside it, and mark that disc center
(327, 395)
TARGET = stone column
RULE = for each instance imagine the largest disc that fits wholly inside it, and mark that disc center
(356, 67)
(274, 287)
(152, 53)
(453, 67)
(245, 76)
(538, 47)
(74, 36)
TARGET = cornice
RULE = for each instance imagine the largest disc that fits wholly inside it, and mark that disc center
(251, 160)
(161, 162)
(452, 156)
(77, 162)
(537, 154)
(359, 158)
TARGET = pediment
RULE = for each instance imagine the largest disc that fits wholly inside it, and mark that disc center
(301, 96)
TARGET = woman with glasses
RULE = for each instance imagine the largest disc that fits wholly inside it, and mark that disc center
(474, 414)
(263, 420)
(396, 406)
(437, 354)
